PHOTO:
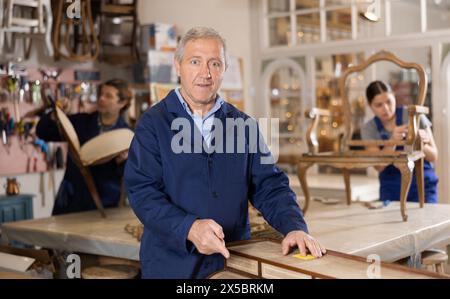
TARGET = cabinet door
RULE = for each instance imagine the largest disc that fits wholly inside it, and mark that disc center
(15, 210)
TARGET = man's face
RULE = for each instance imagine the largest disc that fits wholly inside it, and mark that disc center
(109, 101)
(201, 70)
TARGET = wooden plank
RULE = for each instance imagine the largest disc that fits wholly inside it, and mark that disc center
(332, 265)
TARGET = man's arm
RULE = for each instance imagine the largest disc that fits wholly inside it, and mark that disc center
(271, 195)
(144, 182)
(47, 129)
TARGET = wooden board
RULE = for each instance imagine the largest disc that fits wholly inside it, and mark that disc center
(263, 258)
(230, 274)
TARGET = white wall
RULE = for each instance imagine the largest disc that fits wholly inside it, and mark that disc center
(42, 187)
(230, 17)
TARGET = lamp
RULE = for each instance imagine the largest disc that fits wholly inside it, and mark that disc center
(372, 12)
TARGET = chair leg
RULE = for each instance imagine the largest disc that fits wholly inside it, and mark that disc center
(2, 40)
(93, 190)
(27, 44)
(420, 181)
(348, 189)
(439, 268)
(406, 169)
(301, 172)
(48, 27)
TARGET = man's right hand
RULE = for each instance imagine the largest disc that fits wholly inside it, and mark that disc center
(208, 237)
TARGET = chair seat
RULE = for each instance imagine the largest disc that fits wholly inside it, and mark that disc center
(105, 146)
(110, 272)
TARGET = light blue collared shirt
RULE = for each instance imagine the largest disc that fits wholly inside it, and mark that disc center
(203, 124)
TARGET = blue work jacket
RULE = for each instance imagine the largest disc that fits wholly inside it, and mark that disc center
(168, 191)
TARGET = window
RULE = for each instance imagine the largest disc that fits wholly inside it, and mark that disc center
(299, 22)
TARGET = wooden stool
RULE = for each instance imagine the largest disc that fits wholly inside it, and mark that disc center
(113, 15)
(434, 260)
(110, 272)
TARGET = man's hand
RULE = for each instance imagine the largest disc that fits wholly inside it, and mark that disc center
(208, 237)
(122, 157)
(303, 241)
(399, 133)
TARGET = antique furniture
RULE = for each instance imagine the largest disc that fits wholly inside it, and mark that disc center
(347, 157)
(16, 207)
(115, 18)
(98, 150)
(15, 21)
(263, 259)
(74, 36)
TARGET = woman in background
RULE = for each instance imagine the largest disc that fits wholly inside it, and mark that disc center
(391, 123)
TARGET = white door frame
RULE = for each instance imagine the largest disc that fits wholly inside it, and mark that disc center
(442, 128)
(267, 74)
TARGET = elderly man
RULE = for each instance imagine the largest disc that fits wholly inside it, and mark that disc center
(192, 201)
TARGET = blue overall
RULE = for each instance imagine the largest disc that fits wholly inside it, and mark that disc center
(390, 177)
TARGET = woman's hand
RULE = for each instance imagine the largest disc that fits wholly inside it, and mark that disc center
(424, 136)
(399, 133)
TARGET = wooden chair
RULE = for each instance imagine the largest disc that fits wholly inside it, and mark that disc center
(159, 91)
(98, 150)
(15, 21)
(346, 159)
(110, 12)
(75, 39)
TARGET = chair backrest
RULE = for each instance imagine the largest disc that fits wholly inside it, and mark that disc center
(379, 56)
(159, 91)
(68, 130)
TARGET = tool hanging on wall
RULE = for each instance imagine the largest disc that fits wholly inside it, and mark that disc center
(75, 38)
(6, 127)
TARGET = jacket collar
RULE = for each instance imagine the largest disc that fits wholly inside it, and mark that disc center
(174, 106)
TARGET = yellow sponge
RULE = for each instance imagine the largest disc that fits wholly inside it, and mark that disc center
(307, 257)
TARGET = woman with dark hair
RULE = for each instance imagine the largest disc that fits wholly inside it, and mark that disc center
(391, 123)
(114, 98)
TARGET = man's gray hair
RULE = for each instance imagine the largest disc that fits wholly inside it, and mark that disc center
(200, 33)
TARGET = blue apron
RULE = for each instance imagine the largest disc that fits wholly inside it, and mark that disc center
(390, 177)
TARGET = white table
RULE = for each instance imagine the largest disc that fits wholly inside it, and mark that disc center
(364, 188)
